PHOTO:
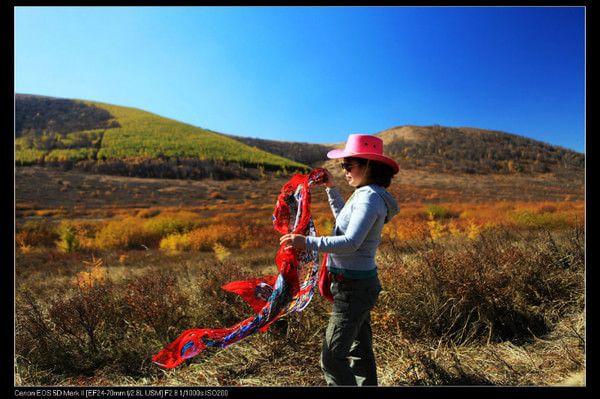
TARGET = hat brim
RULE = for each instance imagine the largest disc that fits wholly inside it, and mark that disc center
(339, 153)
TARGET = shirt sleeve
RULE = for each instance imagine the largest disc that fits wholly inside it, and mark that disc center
(364, 214)
(336, 201)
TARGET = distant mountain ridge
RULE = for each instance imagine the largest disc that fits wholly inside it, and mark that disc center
(473, 150)
(100, 137)
(306, 153)
(448, 150)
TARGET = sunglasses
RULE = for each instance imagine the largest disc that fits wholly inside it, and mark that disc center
(348, 166)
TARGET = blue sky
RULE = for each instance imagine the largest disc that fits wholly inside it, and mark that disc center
(317, 74)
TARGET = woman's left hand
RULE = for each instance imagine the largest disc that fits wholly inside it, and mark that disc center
(297, 241)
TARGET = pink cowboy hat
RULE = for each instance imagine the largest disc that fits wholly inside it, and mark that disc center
(364, 146)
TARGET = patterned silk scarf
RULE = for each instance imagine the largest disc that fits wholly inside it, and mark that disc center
(271, 297)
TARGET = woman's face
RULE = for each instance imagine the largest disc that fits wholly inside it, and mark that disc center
(354, 173)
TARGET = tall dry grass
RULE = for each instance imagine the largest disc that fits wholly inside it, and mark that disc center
(502, 307)
(505, 285)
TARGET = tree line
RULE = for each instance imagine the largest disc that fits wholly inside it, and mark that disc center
(479, 151)
(36, 115)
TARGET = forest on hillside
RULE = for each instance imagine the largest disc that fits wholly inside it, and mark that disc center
(38, 116)
(446, 149)
(68, 133)
(306, 153)
(122, 141)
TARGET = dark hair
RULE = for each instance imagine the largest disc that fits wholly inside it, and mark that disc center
(379, 173)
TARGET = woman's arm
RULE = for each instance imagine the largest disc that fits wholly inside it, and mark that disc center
(364, 214)
(336, 201)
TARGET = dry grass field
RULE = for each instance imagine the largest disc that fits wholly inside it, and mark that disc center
(483, 280)
(46, 192)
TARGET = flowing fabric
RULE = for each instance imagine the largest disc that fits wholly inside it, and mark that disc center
(272, 297)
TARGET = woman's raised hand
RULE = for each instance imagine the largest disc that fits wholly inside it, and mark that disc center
(328, 181)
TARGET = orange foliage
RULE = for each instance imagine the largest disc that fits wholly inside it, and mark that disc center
(413, 224)
(95, 276)
(249, 225)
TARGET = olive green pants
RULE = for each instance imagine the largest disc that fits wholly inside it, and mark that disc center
(347, 357)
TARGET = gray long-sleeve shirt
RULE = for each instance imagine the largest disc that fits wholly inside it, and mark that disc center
(357, 232)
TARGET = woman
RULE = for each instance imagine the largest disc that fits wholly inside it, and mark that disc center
(347, 356)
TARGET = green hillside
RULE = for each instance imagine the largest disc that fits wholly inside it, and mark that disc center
(143, 134)
(132, 135)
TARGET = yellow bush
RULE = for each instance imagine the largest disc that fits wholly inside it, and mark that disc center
(203, 238)
(232, 235)
(221, 252)
(454, 228)
(94, 276)
(474, 230)
(436, 229)
(126, 234)
(167, 224)
(175, 243)
(403, 229)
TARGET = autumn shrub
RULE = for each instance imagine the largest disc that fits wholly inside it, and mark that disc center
(166, 224)
(228, 232)
(499, 286)
(29, 156)
(405, 229)
(204, 238)
(258, 235)
(156, 301)
(221, 252)
(148, 213)
(209, 304)
(37, 233)
(95, 323)
(94, 275)
(86, 233)
(530, 219)
(546, 208)
(436, 212)
(72, 333)
(129, 233)
(69, 242)
(175, 243)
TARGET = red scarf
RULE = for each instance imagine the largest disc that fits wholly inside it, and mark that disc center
(271, 297)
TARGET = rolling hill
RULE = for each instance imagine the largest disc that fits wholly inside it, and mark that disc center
(120, 140)
(112, 139)
(443, 149)
(305, 153)
(475, 151)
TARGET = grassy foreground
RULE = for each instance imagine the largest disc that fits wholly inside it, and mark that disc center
(504, 306)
